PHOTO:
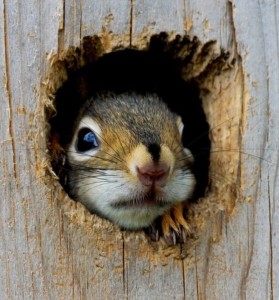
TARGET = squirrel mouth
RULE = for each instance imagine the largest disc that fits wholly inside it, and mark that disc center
(148, 200)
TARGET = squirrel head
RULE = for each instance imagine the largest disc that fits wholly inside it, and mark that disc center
(126, 160)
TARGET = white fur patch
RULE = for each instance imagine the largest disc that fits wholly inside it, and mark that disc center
(101, 193)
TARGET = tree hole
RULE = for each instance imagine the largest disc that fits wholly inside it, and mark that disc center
(186, 74)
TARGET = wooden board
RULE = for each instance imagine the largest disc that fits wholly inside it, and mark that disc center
(49, 248)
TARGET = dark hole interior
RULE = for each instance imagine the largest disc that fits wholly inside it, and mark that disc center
(141, 71)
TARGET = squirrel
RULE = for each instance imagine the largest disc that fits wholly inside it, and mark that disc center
(126, 163)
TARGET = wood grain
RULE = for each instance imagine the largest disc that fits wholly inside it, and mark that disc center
(50, 248)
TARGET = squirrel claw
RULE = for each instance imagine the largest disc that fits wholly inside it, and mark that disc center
(154, 233)
(174, 226)
(171, 238)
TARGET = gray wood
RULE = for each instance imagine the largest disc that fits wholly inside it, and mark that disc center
(50, 247)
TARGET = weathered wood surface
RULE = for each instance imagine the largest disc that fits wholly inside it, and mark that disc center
(47, 250)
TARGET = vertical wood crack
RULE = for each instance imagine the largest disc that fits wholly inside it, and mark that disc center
(61, 31)
(8, 88)
(270, 240)
(131, 22)
(80, 20)
(197, 278)
(183, 277)
(233, 30)
(125, 289)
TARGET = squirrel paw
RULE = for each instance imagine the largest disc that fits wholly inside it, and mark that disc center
(174, 227)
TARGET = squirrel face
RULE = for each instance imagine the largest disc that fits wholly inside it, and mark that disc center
(126, 160)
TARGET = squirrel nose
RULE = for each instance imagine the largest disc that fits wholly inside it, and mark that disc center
(153, 174)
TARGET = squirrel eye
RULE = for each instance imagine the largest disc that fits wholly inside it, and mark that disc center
(86, 140)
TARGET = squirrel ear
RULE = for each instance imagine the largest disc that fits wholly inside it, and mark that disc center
(180, 125)
(189, 155)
